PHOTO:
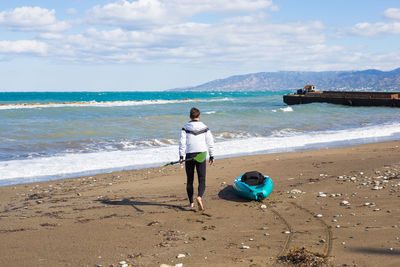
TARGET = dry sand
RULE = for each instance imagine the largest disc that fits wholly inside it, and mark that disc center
(139, 216)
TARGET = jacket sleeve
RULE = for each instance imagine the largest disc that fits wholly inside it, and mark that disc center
(210, 143)
(182, 144)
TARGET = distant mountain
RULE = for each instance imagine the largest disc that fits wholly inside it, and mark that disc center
(366, 80)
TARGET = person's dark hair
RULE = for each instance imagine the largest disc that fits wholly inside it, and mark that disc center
(194, 113)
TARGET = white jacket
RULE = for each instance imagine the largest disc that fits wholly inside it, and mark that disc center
(196, 137)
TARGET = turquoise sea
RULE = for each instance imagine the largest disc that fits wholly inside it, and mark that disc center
(45, 136)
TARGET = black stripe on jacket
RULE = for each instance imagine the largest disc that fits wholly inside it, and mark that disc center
(195, 132)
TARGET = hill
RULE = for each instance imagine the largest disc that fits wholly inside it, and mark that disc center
(366, 80)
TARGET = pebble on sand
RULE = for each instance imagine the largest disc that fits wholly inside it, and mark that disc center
(180, 256)
(377, 187)
(344, 203)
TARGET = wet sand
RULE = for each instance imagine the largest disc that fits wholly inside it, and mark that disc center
(342, 203)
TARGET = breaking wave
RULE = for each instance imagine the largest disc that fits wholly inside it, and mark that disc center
(105, 103)
(56, 167)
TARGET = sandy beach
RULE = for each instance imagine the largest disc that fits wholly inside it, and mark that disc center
(342, 203)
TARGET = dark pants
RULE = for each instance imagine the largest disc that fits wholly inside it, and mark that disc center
(201, 175)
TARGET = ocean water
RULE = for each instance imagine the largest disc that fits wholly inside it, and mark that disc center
(47, 136)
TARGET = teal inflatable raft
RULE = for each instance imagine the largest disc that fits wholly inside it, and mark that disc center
(253, 185)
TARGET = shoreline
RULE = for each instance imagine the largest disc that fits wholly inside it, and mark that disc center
(166, 153)
(138, 216)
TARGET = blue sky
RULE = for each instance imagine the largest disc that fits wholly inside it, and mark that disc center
(89, 45)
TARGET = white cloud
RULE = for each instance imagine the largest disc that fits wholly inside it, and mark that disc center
(136, 14)
(160, 31)
(50, 35)
(194, 6)
(71, 11)
(32, 19)
(23, 47)
(147, 13)
(234, 40)
(379, 28)
(392, 13)
(371, 29)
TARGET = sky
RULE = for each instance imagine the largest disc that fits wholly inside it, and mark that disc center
(148, 45)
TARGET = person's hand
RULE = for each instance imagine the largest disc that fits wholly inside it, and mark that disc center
(180, 161)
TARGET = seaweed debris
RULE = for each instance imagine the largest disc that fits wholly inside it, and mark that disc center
(303, 257)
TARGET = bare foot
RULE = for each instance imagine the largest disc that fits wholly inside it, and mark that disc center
(191, 205)
(201, 207)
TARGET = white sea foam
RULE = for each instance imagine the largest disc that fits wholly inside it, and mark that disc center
(233, 135)
(106, 103)
(78, 164)
(287, 109)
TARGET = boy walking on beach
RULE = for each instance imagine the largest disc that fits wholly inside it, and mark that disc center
(195, 138)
